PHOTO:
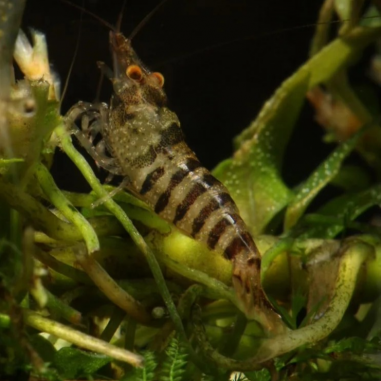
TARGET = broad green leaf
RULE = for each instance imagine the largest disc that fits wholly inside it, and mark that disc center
(343, 209)
(73, 363)
(253, 174)
(320, 68)
(317, 181)
(43, 347)
(371, 18)
(351, 178)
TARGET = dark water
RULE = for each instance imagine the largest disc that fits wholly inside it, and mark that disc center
(216, 87)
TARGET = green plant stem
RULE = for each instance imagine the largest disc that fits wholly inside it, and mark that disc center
(322, 28)
(111, 289)
(215, 288)
(104, 282)
(69, 296)
(231, 340)
(209, 352)
(66, 208)
(41, 217)
(82, 340)
(353, 256)
(268, 257)
(115, 320)
(318, 180)
(5, 321)
(129, 336)
(62, 268)
(115, 209)
(134, 208)
(46, 221)
(61, 309)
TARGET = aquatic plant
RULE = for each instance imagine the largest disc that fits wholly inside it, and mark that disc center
(109, 289)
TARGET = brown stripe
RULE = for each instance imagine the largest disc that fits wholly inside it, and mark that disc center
(151, 180)
(217, 231)
(176, 179)
(225, 198)
(220, 200)
(209, 180)
(144, 160)
(171, 136)
(238, 244)
(192, 164)
(204, 214)
(197, 190)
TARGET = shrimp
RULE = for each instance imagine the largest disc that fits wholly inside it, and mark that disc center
(143, 142)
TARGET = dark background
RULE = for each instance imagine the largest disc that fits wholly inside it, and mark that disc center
(222, 59)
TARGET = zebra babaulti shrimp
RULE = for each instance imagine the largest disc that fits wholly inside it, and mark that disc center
(146, 146)
(142, 141)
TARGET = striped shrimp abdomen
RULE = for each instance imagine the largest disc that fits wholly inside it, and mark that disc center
(166, 174)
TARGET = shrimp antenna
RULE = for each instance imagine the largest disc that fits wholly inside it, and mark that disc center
(82, 9)
(66, 85)
(259, 37)
(145, 20)
(120, 17)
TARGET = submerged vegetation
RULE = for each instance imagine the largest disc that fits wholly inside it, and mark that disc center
(100, 287)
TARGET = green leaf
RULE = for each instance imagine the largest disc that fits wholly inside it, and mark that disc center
(253, 174)
(344, 8)
(354, 345)
(147, 373)
(73, 363)
(317, 181)
(298, 302)
(174, 365)
(371, 18)
(283, 312)
(43, 347)
(351, 178)
(260, 375)
(343, 209)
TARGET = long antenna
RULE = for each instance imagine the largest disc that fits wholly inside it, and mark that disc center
(259, 36)
(84, 10)
(119, 22)
(73, 60)
(145, 20)
(120, 17)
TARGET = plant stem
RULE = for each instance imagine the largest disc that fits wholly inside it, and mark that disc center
(66, 208)
(118, 212)
(353, 256)
(82, 340)
(111, 289)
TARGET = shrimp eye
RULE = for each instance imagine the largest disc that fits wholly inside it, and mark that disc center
(159, 78)
(134, 72)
